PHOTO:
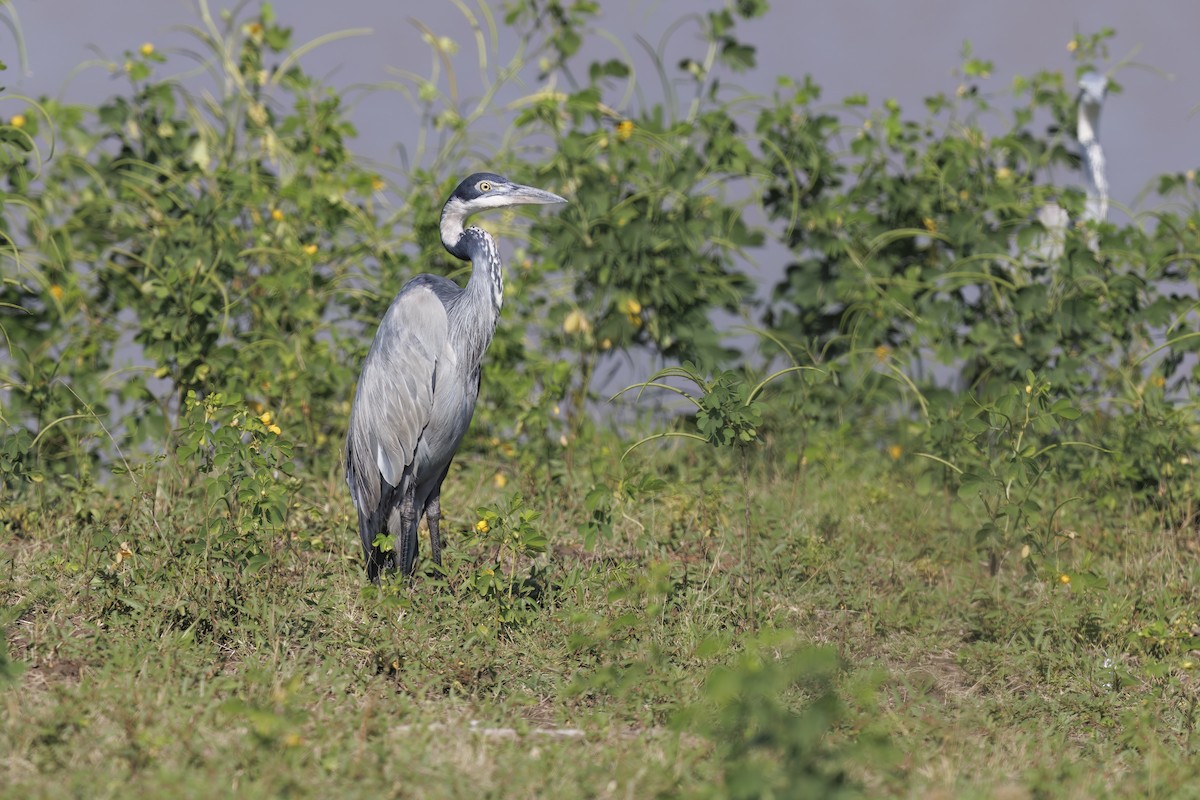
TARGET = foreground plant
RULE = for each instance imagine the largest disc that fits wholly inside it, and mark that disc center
(728, 415)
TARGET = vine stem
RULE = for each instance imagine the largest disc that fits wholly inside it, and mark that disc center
(746, 549)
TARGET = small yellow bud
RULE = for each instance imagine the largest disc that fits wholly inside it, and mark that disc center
(631, 306)
(377, 184)
(275, 429)
(265, 418)
(147, 49)
(1064, 578)
(606, 344)
(930, 224)
(625, 130)
(1025, 551)
(882, 352)
(17, 121)
(1004, 175)
(277, 214)
(310, 249)
(124, 552)
(56, 291)
(482, 526)
(1072, 46)
(1159, 381)
(1028, 389)
(576, 322)
(1018, 340)
(895, 451)
(499, 481)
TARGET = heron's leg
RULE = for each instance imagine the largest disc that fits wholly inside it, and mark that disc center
(403, 526)
(371, 554)
(433, 515)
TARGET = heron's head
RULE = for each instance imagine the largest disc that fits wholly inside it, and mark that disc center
(1092, 88)
(483, 191)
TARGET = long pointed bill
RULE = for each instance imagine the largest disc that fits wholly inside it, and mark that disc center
(517, 193)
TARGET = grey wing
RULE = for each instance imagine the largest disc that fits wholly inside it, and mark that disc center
(394, 400)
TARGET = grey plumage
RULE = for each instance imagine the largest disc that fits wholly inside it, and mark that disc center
(1092, 89)
(1049, 246)
(420, 380)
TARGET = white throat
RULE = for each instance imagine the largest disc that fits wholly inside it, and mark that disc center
(453, 216)
(1089, 123)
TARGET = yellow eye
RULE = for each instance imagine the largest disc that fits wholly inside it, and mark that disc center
(484, 186)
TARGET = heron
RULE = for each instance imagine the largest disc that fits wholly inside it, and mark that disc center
(419, 382)
(1092, 88)
(1050, 246)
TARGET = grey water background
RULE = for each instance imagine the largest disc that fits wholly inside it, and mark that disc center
(902, 49)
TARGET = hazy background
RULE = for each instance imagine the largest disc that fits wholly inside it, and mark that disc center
(903, 49)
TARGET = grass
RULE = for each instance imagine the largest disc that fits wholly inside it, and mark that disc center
(632, 672)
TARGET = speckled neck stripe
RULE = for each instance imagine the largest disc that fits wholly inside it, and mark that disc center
(487, 251)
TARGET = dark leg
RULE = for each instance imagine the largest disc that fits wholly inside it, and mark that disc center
(433, 516)
(403, 526)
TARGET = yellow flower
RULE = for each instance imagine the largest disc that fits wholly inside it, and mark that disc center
(576, 322)
(124, 553)
(265, 418)
(1072, 46)
(293, 740)
(1028, 389)
(147, 49)
(482, 526)
(1018, 340)
(377, 184)
(499, 481)
(895, 451)
(1159, 381)
(310, 249)
(17, 121)
(277, 214)
(1004, 175)
(254, 30)
(882, 352)
(56, 291)
(930, 224)
(1064, 578)
(625, 130)
(631, 306)
(275, 429)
